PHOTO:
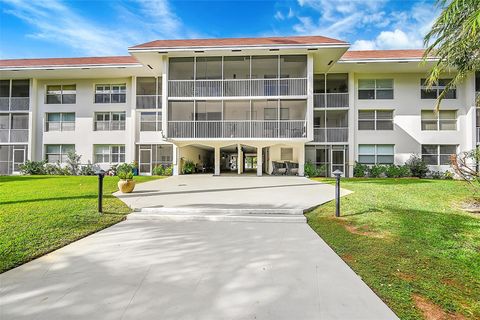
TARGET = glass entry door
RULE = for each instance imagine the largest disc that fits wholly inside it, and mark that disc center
(145, 161)
(18, 159)
(338, 160)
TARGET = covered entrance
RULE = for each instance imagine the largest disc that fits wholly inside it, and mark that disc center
(253, 158)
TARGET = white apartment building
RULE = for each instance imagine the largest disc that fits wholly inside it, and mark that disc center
(234, 105)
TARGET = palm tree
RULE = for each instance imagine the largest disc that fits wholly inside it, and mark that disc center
(455, 41)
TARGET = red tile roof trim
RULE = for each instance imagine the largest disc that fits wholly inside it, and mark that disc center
(383, 54)
(234, 42)
(69, 62)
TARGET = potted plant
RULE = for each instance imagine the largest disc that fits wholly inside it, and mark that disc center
(125, 173)
(188, 167)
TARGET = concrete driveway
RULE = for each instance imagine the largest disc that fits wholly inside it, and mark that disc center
(190, 270)
(227, 192)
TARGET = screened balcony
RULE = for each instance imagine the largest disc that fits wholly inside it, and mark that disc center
(238, 76)
(13, 127)
(14, 95)
(269, 119)
(149, 93)
(330, 126)
(330, 91)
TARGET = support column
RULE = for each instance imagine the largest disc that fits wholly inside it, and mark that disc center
(176, 160)
(217, 162)
(239, 159)
(301, 160)
(259, 161)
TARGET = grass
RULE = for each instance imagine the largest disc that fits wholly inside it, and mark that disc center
(410, 243)
(39, 214)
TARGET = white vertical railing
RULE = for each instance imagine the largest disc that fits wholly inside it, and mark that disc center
(331, 100)
(330, 134)
(237, 129)
(478, 135)
(237, 87)
(150, 101)
(14, 103)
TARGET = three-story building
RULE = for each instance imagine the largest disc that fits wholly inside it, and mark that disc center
(234, 106)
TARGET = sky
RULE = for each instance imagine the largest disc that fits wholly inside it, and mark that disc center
(56, 28)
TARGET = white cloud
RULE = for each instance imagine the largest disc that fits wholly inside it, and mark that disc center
(279, 16)
(138, 21)
(377, 25)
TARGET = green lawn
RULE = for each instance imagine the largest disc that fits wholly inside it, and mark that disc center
(39, 214)
(410, 244)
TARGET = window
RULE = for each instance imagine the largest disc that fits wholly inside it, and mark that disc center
(60, 121)
(109, 153)
(286, 154)
(61, 94)
(151, 121)
(14, 95)
(109, 121)
(110, 93)
(58, 152)
(375, 153)
(149, 93)
(436, 89)
(435, 155)
(442, 120)
(375, 120)
(375, 89)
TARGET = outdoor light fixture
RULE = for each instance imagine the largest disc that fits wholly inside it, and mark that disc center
(337, 173)
(101, 175)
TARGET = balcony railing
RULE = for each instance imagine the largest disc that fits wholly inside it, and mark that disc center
(14, 135)
(237, 88)
(273, 129)
(330, 100)
(59, 126)
(149, 101)
(330, 134)
(478, 135)
(14, 103)
(109, 125)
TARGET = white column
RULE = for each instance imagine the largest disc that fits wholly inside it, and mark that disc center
(32, 118)
(176, 160)
(310, 78)
(301, 160)
(352, 116)
(239, 157)
(164, 94)
(131, 123)
(217, 162)
(259, 161)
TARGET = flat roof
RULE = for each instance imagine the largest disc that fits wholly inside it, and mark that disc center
(70, 62)
(240, 42)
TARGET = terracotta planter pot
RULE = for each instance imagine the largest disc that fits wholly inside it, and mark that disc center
(126, 186)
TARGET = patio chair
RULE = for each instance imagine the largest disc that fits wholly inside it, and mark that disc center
(279, 168)
(292, 168)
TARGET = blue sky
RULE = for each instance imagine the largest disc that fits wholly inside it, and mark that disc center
(56, 28)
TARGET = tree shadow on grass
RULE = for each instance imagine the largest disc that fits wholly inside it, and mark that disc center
(4, 179)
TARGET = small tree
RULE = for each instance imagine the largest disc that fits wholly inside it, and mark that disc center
(465, 166)
(73, 162)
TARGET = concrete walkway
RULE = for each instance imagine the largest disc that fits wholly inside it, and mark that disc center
(190, 270)
(230, 192)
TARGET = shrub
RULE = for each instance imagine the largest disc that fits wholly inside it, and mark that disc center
(376, 171)
(360, 170)
(169, 170)
(436, 175)
(73, 162)
(309, 169)
(125, 171)
(87, 170)
(404, 171)
(447, 175)
(33, 167)
(159, 170)
(188, 167)
(417, 166)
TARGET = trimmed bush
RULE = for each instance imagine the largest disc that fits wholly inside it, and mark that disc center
(188, 167)
(394, 171)
(417, 166)
(376, 171)
(360, 170)
(159, 170)
(33, 167)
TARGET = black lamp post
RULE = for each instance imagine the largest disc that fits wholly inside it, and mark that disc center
(337, 173)
(101, 175)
